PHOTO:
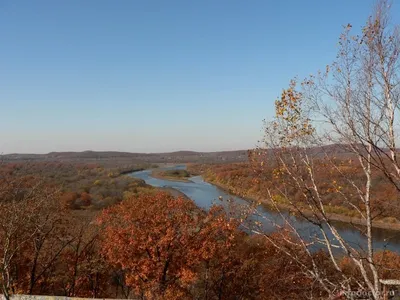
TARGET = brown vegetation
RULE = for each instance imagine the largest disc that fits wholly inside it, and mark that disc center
(170, 249)
(49, 244)
(84, 230)
(356, 100)
(149, 245)
(114, 158)
(241, 179)
(173, 175)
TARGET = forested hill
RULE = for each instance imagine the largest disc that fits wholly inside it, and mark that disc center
(174, 157)
(166, 157)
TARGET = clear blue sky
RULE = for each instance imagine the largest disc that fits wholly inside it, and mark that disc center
(152, 76)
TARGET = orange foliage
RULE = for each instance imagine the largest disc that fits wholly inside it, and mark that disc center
(86, 199)
(253, 180)
(159, 241)
(153, 246)
(68, 200)
(169, 249)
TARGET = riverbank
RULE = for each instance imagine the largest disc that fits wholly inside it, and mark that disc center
(205, 195)
(308, 213)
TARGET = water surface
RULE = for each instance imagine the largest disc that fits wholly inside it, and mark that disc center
(205, 194)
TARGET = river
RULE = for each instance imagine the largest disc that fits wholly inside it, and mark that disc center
(205, 194)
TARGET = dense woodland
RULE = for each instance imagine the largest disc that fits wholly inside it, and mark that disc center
(83, 230)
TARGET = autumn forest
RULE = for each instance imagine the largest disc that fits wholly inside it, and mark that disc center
(83, 225)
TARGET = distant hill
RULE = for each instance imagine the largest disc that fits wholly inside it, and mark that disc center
(97, 156)
(340, 151)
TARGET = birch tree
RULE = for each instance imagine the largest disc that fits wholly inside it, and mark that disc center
(343, 117)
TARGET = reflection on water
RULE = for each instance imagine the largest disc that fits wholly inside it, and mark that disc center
(205, 195)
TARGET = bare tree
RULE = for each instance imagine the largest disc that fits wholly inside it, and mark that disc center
(344, 117)
(29, 213)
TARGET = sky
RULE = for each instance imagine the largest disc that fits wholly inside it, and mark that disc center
(157, 76)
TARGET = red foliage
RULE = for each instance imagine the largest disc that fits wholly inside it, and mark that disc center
(159, 241)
